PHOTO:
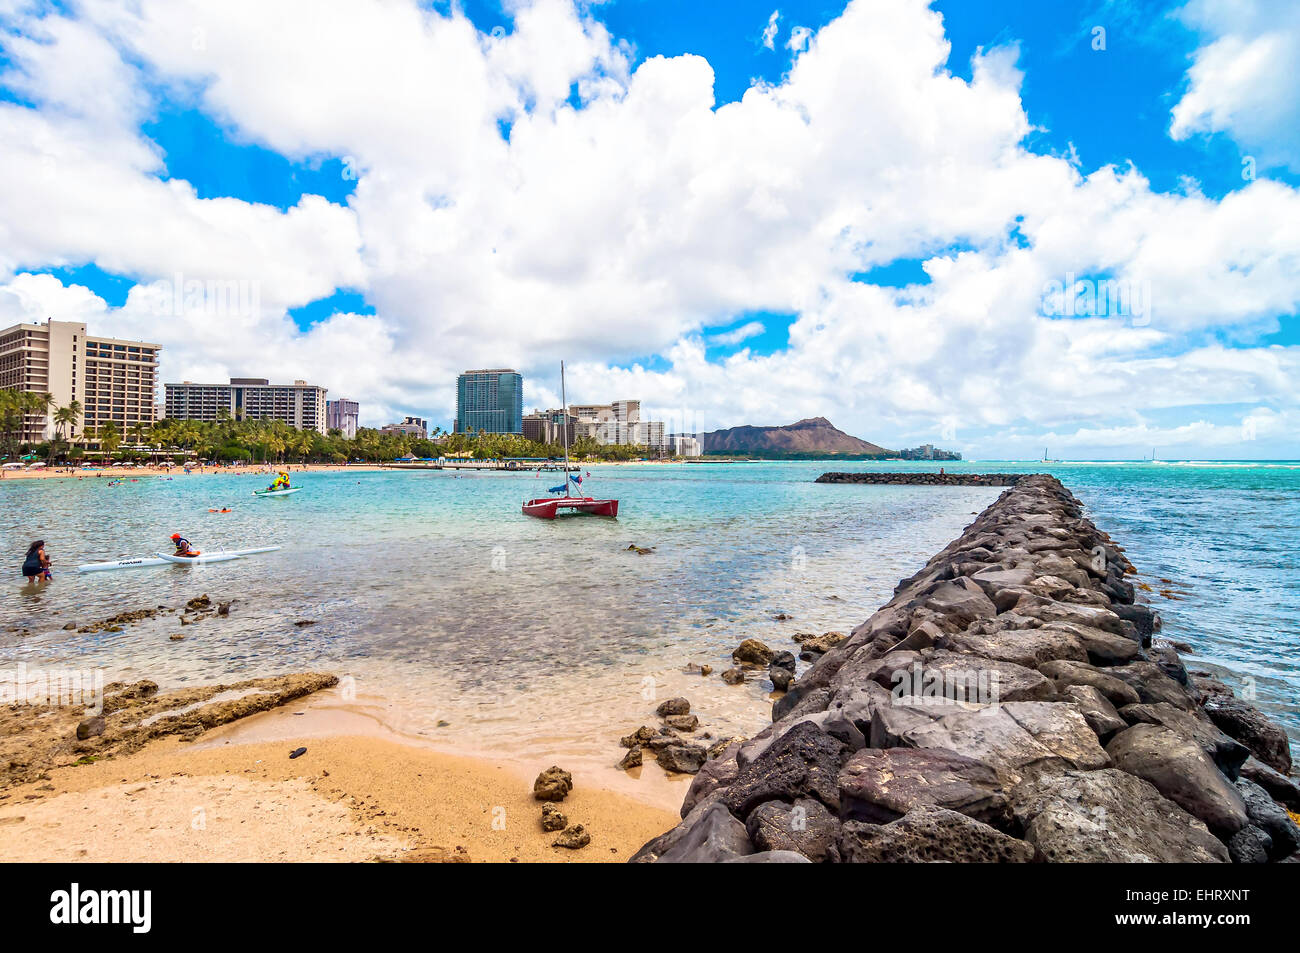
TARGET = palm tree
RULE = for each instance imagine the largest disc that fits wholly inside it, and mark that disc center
(110, 438)
(67, 417)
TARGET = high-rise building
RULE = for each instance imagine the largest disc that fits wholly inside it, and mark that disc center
(299, 404)
(491, 400)
(114, 380)
(343, 415)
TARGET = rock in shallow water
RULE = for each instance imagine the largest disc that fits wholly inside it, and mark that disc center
(683, 758)
(673, 706)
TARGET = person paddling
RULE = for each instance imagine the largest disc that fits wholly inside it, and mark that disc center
(183, 546)
(37, 564)
(281, 482)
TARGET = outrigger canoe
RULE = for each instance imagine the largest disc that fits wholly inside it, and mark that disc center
(292, 489)
(163, 559)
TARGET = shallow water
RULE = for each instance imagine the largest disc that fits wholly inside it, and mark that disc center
(486, 629)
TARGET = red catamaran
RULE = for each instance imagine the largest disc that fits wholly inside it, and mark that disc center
(548, 508)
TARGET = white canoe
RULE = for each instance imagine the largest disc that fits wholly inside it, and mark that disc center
(292, 489)
(163, 559)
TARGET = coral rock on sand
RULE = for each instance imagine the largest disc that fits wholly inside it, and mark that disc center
(733, 676)
(574, 838)
(632, 759)
(553, 784)
(682, 722)
(553, 819)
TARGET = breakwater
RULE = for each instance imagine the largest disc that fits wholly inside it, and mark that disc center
(1011, 702)
(924, 479)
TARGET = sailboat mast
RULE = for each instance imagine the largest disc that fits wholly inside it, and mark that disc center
(564, 403)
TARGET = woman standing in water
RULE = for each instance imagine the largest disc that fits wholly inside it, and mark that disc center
(36, 567)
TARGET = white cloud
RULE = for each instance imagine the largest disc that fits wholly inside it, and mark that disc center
(770, 31)
(799, 37)
(1243, 80)
(737, 335)
(630, 225)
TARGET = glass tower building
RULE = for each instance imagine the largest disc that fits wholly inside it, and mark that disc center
(490, 400)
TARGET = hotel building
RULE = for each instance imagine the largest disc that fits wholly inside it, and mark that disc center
(619, 422)
(491, 400)
(300, 405)
(344, 415)
(114, 380)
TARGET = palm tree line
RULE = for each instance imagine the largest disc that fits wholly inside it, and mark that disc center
(265, 441)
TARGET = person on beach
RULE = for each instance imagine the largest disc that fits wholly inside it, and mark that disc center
(183, 546)
(36, 566)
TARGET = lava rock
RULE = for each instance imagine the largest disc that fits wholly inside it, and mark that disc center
(1243, 721)
(881, 786)
(930, 836)
(733, 676)
(1182, 772)
(1227, 754)
(631, 760)
(1273, 820)
(803, 762)
(1109, 816)
(805, 827)
(709, 834)
(682, 722)
(1097, 711)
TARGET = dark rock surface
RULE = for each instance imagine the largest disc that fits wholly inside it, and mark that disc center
(930, 836)
(805, 826)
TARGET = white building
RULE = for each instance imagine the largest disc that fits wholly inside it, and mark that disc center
(114, 380)
(300, 405)
(618, 423)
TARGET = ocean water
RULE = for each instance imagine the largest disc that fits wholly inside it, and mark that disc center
(456, 618)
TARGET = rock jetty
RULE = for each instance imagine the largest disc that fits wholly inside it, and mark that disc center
(1010, 703)
(925, 479)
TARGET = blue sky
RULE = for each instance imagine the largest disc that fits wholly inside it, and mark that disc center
(1099, 83)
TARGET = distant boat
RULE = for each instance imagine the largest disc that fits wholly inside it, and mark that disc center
(548, 508)
(1046, 458)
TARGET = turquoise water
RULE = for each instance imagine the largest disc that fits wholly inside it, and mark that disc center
(484, 627)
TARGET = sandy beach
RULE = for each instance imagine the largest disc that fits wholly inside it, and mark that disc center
(233, 793)
(128, 473)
